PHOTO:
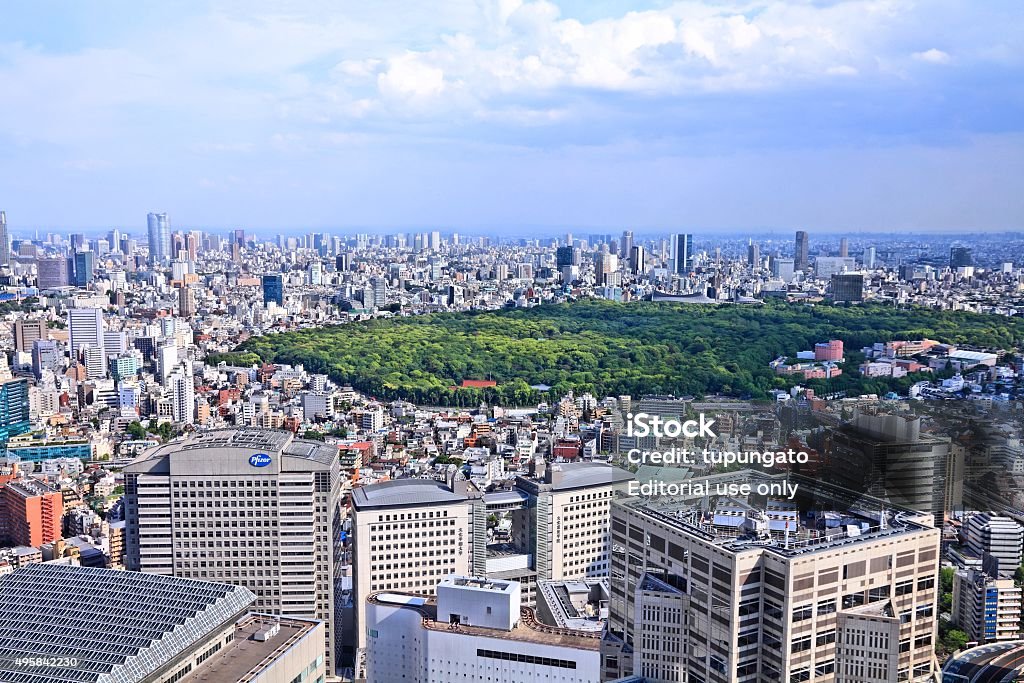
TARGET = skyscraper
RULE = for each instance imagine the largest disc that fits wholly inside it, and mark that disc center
(627, 247)
(801, 257)
(52, 273)
(183, 401)
(682, 253)
(844, 247)
(14, 408)
(267, 518)
(961, 257)
(848, 287)
(273, 289)
(753, 255)
(5, 240)
(186, 302)
(159, 237)
(85, 326)
(85, 268)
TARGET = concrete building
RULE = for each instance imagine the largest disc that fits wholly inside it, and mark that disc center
(995, 539)
(721, 583)
(126, 626)
(85, 326)
(28, 331)
(475, 630)
(250, 507)
(985, 608)
(30, 513)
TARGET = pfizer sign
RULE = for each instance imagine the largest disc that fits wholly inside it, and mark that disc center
(259, 460)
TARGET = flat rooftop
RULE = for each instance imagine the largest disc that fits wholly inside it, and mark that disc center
(404, 492)
(528, 629)
(246, 657)
(819, 517)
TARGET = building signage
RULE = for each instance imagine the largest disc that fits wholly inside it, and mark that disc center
(259, 460)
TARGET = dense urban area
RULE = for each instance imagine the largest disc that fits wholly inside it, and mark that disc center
(415, 457)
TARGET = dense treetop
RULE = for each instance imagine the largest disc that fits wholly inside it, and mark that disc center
(611, 348)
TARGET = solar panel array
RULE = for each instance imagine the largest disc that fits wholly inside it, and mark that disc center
(116, 626)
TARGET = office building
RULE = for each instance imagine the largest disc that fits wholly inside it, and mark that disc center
(159, 230)
(848, 287)
(379, 287)
(30, 513)
(996, 540)
(985, 608)
(827, 266)
(14, 408)
(719, 585)
(186, 302)
(85, 327)
(888, 457)
(125, 626)
(566, 256)
(26, 332)
(45, 356)
(844, 247)
(753, 255)
(273, 289)
(961, 257)
(52, 273)
(682, 254)
(474, 630)
(869, 257)
(5, 240)
(85, 268)
(255, 508)
(801, 255)
(783, 268)
(638, 260)
(94, 361)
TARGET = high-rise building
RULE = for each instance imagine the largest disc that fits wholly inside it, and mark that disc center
(379, 285)
(638, 260)
(985, 608)
(45, 356)
(707, 585)
(254, 508)
(183, 400)
(844, 247)
(801, 256)
(870, 255)
(85, 268)
(126, 626)
(627, 247)
(14, 408)
(85, 327)
(475, 627)
(783, 268)
(888, 456)
(51, 273)
(566, 256)
(997, 540)
(27, 331)
(159, 229)
(273, 289)
(961, 257)
(682, 254)
(5, 240)
(848, 287)
(753, 255)
(30, 513)
(186, 302)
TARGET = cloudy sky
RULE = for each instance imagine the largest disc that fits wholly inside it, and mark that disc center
(518, 115)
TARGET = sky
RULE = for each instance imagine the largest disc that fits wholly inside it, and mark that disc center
(513, 115)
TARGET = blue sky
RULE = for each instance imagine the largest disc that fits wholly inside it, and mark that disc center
(514, 115)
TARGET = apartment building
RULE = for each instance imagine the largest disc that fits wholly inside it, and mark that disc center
(743, 586)
(987, 609)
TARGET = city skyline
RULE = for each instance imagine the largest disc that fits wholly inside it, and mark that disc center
(862, 115)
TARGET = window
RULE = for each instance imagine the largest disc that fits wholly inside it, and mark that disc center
(801, 644)
(803, 613)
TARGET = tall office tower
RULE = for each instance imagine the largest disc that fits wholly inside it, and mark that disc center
(273, 289)
(5, 240)
(725, 588)
(14, 408)
(627, 247)
(682, 254)
(238, 237)
(341, 263)
(85, 327)
(801, 256)
(379, 285)
(870, 255)
(783, 268)
(753, 255)
(85, 268)
(844, 247)
(186, 302)
(52, 273)
(961, 257)
(848, 287)
(253, 508)
(45, 356)
(638, 260)
(494, 639)
(985, 608)
(604, 265)
(888, 457)
(30, 513)
(183, 398)
(566, 256)
(996, 540)
(27, 331)
(159, 227)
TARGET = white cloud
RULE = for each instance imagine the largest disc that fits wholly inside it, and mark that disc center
(409, 77)
(932, 56)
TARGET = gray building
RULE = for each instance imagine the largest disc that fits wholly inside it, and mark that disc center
(996, 540)
(255, 508)
(159, 229)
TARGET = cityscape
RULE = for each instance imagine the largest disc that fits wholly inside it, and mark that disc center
(512, 341)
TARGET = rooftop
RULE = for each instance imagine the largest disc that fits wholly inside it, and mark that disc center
(403, 492)
(119, 626)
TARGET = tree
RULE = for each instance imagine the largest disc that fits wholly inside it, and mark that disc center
(136, 430)
(313, 435)
(955, 640)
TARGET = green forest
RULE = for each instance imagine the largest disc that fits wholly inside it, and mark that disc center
(610, 348)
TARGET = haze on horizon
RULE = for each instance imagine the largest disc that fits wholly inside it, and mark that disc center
(514, 114)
